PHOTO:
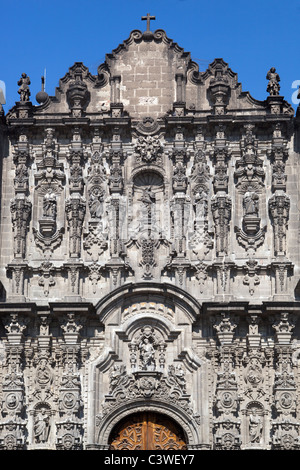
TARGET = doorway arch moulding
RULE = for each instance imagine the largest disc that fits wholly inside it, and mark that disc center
(122, 381)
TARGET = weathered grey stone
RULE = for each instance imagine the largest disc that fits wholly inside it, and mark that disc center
(150, 256)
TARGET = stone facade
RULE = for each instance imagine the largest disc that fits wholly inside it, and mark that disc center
(150, 255)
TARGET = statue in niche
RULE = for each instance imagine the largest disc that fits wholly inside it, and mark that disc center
(96, 203)
(147, 354)
(41, 425)
(200, 195)
(200, 201)
(250, 203)
(255, 427)
(49, 205)
(148, 196)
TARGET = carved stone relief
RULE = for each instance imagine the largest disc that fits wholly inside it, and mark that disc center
(250, 175)
(190, 196)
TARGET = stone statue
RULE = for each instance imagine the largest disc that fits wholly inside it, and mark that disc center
(41, 426)
(147, 353)
(255, 427)
(24, 91)
(49, 205)
(273, 85)
(148, 196)
(118, 372)
(250, 203)
(96, 203)
(179, 375)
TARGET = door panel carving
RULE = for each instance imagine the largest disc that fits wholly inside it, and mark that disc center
(147, 431)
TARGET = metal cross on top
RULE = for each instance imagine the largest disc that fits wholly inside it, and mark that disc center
(148, 18)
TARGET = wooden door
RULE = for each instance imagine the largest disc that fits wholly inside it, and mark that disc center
(147, 431)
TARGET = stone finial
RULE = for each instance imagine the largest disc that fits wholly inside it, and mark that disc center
(24, 90)
(273, 85)
(78, 96)
(42, 96)
(284, 328)
(225, 328)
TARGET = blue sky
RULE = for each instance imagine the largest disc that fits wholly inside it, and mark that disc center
(251, 36)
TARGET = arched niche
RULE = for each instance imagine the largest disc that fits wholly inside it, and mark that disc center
(147, 203)
(160, 293)
(119, 380)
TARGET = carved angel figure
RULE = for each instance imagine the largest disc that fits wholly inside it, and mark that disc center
(148, 196)
(96, 203)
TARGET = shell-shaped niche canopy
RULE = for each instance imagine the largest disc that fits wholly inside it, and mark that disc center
(148, 178)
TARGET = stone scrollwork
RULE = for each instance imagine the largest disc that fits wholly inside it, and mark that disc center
(50, 177)
(21, 211)
(201, 274)
(201, 241)
(148, 247)
(148, 149)
(254, 376)
(75, 210)
(149, 308)
(150, 377)
(69, 426)
(12, 428)
(286, 434)
(221, 209)
(150, 255)
(279, 206)
(96, 234)
(251, 278)
(169, 387)
(225, 327)
(96, 185)
(250, 176)
(219, 88)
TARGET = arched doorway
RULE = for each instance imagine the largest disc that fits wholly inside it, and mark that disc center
(147, 431)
